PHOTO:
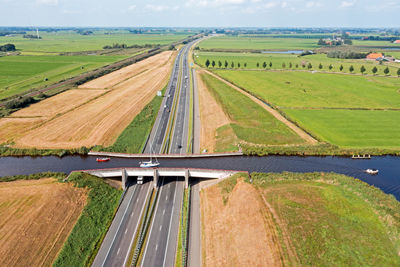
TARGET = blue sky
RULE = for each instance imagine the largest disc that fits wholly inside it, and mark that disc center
(200, 13)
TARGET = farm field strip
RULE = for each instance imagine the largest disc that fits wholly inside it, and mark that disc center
(351, 128)
(317, 90)
(97, 122)
(36, 218)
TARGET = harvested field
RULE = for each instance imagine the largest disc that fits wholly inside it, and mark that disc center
(211, 114)
(97, 120)
(235, 234)
(36, 217)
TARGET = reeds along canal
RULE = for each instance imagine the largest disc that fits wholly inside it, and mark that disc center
(388, 178)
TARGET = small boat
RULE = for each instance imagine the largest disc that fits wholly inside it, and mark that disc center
(372, 171)
(365, 156)
(102, 159)
(150, 163)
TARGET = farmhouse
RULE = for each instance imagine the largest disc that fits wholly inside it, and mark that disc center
(375, 56)
(397, 42)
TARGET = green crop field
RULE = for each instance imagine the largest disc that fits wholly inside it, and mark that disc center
(21, 73)
(351, 128)
(318, 90)
(251, 123)
(297, 63)
(374, 43)
(258, 43)
(69, 41)
(332, 219)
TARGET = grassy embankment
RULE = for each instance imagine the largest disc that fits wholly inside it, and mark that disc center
(251, 123)
(333, 219)
(350, 112)
(283, 61)
(91, 227)
(182, 236)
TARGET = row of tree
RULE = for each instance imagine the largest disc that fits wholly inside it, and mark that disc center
(116, 45)
(309, 66)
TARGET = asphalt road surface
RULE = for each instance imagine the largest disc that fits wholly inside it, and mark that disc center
(117, 244)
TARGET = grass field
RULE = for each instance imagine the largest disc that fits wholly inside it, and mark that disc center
(298, 63)
(69, 41)
(36, 217)
(331, 220)
(251, 123)
(258, 43)
(21, 73)
(85, 239)
(374, 43)
(351, 128)
(316, 90)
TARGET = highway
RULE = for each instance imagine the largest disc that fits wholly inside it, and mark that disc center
(117, 244)
(160, 247)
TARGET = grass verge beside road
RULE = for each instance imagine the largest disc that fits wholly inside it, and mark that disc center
(85, 239)
(251, 123)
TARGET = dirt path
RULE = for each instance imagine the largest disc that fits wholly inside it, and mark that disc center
(309, 139)
(91, 117)
(237, 233)
(212, 116)
(36, 218)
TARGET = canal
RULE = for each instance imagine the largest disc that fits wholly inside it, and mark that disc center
(388, 178)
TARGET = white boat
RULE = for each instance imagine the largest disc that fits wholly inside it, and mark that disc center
(150, 163)
(372, 171)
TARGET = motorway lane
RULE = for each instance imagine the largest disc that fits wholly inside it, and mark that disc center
(118, 241)
(164, 229)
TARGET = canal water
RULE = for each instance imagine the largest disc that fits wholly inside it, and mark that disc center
(388, 178)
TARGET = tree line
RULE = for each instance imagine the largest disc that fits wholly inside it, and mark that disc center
(123, 46)
(309, 66)
(7, 48)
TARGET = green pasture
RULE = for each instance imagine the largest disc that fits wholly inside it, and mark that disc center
(373, 43)
(283, 61)
(251, 123)
(258, 43)
(298, 89)
(69, 41)
(332, 219)
(351, 128)
(21, 73)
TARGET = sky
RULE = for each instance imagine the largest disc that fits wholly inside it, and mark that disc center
(201, 13)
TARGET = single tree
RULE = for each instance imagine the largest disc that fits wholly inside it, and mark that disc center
(386, 71)
(283, 65)
(320, 66)
(351, 69)
(207, 63)
(239, 65)
(398, 72)
(330, 67)
(297, 66)
(258, 65)
(270, 64)
(374, 70)
(264, 65)
(219, 64)
(226, 64)
(309, 66)
(341, 67)
(232, 65)
(290, 65)
(245, 65)
(362, 69)
(213, 63)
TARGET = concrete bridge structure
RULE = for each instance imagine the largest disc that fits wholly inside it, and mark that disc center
(155, 173)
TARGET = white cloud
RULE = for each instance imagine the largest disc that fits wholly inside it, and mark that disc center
(312, 4)
(216, 3)
(345, 4)
(131, 7)
(271, 5)
(160, 8)
(47, 2)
